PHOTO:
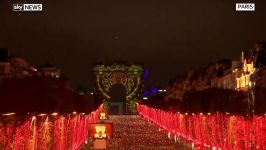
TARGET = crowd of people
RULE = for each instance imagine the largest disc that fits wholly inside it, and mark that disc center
(134, 133)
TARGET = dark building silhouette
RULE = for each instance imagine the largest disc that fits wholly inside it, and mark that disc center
(4, 63)
(4, 54)
(259, 55)
(49, 70)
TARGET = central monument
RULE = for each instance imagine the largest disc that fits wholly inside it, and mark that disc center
(120, 86)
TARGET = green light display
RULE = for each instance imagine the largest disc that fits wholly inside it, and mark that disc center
(131, 76)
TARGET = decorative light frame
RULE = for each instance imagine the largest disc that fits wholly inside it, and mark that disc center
(134, 83)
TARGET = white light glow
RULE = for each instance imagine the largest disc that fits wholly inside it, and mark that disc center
(9, 114)
(54, 114)
(42, 114)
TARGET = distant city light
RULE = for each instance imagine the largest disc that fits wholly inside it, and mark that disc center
(54, 114)
(145, 98)
(74, 112)
(33, 118)
(91, 93)
(42, 114)
(162, 90)
(9, 114)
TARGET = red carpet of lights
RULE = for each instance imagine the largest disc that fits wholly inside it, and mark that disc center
(43, 132)
(211, 131)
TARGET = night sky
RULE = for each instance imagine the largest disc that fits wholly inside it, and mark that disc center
(168, 36)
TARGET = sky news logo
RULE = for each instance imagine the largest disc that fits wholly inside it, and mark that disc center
(245, 6)
(27, 7)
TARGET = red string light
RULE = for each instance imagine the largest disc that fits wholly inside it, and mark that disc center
(48, 132)
(216, 131)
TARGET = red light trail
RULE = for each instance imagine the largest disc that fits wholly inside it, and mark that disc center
(211, 131)
(45, 132)
(215, 131)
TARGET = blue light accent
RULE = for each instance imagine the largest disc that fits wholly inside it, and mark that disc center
(150, 91)
(153, 90)
(145, 74)
(146, 93)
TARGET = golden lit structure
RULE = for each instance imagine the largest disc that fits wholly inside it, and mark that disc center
(103, 116)
(248, 67)
(243, 75)
(100, 131)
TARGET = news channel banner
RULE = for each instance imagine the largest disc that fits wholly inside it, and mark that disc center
(39, 7)
(27, 7)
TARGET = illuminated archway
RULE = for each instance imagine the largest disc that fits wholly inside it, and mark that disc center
(131, 76)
